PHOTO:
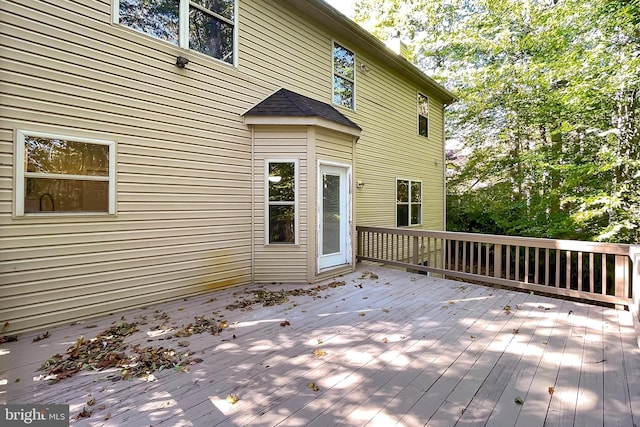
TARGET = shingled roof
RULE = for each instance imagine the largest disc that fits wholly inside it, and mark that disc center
(285, 103)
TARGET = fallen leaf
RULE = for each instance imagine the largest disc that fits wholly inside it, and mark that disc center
(516, 331)
(472, 336)
(85, 413)
(102, 407)
(91, 402)
(184, 343)
(361, 313)
(319, 340)
(17, 380)
(180, 308)
(319, 353)
(551, 390)
(233, 398)
(285, 323)
(108, 416)
(507, 309)
(8, 338)
(41, 337)
(384, 310)
(313, 386)
(385, 340)
(6, 326)
(519, 400)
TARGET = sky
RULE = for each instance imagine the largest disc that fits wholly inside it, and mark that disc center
(344, 6)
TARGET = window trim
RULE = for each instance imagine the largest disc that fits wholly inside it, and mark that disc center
(267, 202)
(21, 174)
(409, 202)
(183, 30)
(334, 74)
(421, 115)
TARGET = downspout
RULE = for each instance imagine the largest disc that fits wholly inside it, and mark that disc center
(253, 204)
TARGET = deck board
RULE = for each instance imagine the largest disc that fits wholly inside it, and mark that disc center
(401, 349)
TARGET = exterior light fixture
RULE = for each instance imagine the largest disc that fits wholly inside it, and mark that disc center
(360, 184)
(181, 62)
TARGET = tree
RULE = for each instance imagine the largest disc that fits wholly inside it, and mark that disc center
(549, 107)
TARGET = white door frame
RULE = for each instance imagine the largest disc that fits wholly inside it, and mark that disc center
(344, 256)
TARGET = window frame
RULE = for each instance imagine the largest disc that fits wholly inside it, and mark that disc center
(183, 28)
(268, 203)
(420, 115)
(409, 203)
(21, 174)
(335, 74)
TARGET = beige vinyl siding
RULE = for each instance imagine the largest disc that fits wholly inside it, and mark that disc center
(391, 148)
(183, 166)
(184, 181)
(280, 262)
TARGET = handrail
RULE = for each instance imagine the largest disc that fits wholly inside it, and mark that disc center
(603, 272)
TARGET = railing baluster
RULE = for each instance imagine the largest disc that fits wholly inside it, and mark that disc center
(621, 277)
(567, 284)
(558, 268)
(536, 275)
(592, 285)
(604, 274)
(546, 267)
(486, 269)
(507, 268)
(464, 256)
(526, 264)
(517, 261)
(580, 271)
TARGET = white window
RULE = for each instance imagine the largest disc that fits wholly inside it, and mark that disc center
(344, 76)
(423, 115)
(408, 202)
(63, 174)
(207, 26)
(281, 201)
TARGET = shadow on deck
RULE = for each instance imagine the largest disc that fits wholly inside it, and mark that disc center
(386, 348)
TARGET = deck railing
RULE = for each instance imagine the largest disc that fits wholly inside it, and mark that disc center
(601, 272)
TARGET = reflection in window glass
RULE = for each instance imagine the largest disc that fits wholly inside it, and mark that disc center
(210, 36)
(281, 181)
(408, 203)
(208, 24)
(423, 115)
(224, 8)
(157, 18)
(343, 76)
(64, 175)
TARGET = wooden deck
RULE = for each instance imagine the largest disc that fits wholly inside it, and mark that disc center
(401, 349)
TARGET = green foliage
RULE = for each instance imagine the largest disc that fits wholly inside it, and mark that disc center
(549, 110)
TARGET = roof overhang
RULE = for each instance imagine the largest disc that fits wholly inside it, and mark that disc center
(301, 121)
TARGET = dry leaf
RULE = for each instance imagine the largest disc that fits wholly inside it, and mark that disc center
(384, 310)
(472, 336)
(319, 340)
(84, 413)
(41, 337)
(361, 313)
(319, 353)
(184, 343)
(102, 407)
(551, 390)
(516, 331)
(507, 309)
(313, 386)
(92, 402)
(6, 326)
(519, 400)
(285, 323)
(107, 417)
(180, 308)
(233, 398)
(385, 340)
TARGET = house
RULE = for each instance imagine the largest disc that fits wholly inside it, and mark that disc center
(156, 150)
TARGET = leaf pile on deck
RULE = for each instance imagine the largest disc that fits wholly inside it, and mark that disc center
(107, 350)
(269, 298)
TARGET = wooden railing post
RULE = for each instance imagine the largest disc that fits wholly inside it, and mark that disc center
(497, 261)
(634, 254)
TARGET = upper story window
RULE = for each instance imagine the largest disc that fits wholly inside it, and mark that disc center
(423, 115)
(207, 26)
(408, 202)
(344, 75)
(282, 192)
(64, 174)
